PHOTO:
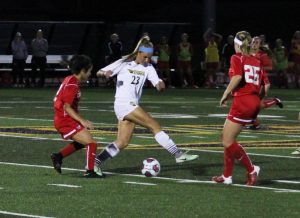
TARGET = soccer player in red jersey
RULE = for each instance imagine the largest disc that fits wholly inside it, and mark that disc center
(67, 120)
(260, 52)
(246, 76)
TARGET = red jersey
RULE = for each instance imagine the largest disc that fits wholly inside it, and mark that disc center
(266, 62)
(68, 92)
(251, 71)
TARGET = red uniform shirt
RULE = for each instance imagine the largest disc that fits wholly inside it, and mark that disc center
(251, 71)
(68, 92)
(266, 62)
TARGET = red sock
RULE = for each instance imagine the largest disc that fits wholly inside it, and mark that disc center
(90, 155)
(240, 154)
(67, 150)
(228, 163)
(269, 102)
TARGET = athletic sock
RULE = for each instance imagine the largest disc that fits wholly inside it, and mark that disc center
(238, 152)
(228, 163)
(269, 102)
(110, 151)
(164, 140)
(90, 155)
(67, 150)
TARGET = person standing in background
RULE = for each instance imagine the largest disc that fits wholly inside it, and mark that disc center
(20, 54)
(39, 60)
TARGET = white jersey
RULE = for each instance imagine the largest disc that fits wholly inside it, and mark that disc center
(130, 79)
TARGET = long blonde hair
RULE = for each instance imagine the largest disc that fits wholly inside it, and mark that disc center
(145, 42)
(246, 39)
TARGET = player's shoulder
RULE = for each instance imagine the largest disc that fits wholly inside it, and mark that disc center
(71, 80)
(236, 57)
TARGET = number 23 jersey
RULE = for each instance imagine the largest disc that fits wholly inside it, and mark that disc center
(249, 67)
(130, 79)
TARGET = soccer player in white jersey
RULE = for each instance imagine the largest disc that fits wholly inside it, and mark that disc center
(132, 72)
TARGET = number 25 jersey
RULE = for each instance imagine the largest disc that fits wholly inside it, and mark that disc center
(251, 71)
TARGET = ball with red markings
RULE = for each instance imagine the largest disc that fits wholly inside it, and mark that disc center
(150, 167)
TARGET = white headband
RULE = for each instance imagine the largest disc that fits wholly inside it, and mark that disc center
(237, 41)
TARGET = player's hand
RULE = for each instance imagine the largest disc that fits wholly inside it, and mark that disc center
(224, 100)
(87, 124)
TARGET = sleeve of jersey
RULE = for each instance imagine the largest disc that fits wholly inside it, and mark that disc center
(115, 67)
(69, 93)
(236, 65)
(266, 80)
(266, 61)
(152, 76)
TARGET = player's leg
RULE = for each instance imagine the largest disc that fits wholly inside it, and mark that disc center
(125, 130)
(141, 117)
(64, 152)
(84, 137)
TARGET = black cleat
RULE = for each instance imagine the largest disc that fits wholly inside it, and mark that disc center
(279, 103)
(254, 127)
(57, 162)
(93, 174)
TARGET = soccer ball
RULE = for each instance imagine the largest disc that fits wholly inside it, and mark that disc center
(151, 167)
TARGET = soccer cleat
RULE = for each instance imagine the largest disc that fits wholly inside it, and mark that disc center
(222, 180)
(296, 152)
(186, 157)
(252, 177)
(279, 103)
(57, 162)
(98, 171)
(93, 174)
(254, 127)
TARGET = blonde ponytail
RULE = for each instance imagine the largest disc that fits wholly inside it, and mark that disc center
(144, 41)
(245, 39)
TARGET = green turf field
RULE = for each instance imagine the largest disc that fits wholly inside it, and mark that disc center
(29, 187)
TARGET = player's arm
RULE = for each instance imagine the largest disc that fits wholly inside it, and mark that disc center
(105, 74)
(160, 86)
(235, 80)
(72, 113)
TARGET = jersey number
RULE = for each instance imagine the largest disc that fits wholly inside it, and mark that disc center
(135, 80)
(252, 74)
(57, 92)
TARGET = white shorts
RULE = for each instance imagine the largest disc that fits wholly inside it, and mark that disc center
(123, 109)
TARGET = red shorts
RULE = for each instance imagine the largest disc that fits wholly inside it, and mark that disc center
(163, 66)
(184, 65)
(67, 127)
(244, 109)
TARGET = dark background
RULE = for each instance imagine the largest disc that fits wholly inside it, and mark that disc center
(271, 17)
(98, 19)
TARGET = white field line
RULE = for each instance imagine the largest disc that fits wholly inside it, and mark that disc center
(247, 136)
(188, 149)
(22, 214)
(145, 137)
(287, 181)
(139, 183)
(66, 185)
(159, 178)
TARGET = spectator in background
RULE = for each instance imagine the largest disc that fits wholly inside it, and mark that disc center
(20, 54)
(280, 62)
(39, 52)
(114, 49)
(212, 58)
(295, 56)
(184, 58)
(227, 52)
(163, 52)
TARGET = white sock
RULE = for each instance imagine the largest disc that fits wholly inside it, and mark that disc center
(164, 140)
(112, 149)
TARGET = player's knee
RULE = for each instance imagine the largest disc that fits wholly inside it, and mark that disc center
(78, 145)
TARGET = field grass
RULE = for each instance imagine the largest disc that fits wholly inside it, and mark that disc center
(29, 187)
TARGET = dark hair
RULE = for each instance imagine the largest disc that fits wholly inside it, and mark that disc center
(80, 62)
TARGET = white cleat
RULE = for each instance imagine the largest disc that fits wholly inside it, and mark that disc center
(296, 152)
(186, 157)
